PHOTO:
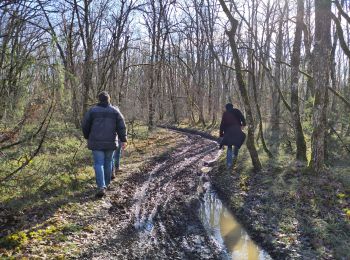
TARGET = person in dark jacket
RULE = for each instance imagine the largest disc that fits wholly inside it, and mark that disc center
(102, 125)
(231, 132)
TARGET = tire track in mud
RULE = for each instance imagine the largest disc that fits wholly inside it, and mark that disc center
(153, 214)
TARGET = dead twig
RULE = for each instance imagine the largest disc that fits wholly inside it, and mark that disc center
(37, 150)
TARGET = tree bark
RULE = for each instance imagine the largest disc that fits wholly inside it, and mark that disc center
(295, 62)
(242, 88)
(276, 97)
(321, 68)
(257, 106)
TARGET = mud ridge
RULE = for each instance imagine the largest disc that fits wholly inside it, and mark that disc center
(153, 214)
(225, 194)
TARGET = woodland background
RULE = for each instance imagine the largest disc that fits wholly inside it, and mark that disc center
(285, 64)
(170, 61)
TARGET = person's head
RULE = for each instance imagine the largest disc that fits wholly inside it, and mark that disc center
(103, 97)
(229, 106)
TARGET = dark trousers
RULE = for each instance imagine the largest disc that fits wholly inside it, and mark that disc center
(229, 156)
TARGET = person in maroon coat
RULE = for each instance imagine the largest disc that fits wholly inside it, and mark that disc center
(231, 132)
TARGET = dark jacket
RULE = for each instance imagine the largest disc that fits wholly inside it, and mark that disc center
(231, 128)
(102, 125)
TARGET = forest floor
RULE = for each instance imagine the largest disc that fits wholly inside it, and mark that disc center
(291, 212)
(151, 209)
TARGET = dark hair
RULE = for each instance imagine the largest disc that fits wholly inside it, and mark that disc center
(229, 106)
(104, 97)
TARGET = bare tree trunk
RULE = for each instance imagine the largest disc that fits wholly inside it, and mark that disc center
(276, 98)
(348, 92)
(310, 89)
(242, 88)
(122, 89)
(87, 37)
(151, 90)
(295, 62)
(261, 132)
(333, 106)
(276, 79)
(321, 68)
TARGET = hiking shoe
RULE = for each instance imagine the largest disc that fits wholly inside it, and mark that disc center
(100, 193)
(113, 174)
(118, 170)
(234, 162)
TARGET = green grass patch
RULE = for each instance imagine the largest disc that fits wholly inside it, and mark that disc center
(44, 202)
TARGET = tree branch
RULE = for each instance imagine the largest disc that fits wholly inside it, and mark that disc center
(341, 11)
(35, 153)
(347, 103)
(341, 35)
(340, 139)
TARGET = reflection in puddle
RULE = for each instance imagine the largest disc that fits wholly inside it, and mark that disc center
(227, 231)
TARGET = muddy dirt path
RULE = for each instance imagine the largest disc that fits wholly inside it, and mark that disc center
(153, 214)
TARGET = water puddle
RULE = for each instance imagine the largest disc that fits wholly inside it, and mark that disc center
(225, 229)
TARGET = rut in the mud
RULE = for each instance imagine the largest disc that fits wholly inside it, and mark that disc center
(154, 213)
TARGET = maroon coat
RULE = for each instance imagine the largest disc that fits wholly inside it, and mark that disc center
(231, 128)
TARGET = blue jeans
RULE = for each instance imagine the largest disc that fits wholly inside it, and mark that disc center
(103, 167)
(117, 156)
(230, 156)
